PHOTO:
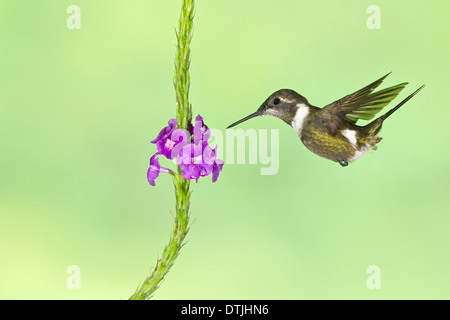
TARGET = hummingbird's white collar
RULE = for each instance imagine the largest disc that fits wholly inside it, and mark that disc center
(299, 118)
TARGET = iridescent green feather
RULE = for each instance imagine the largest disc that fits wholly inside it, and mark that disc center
(368, 106)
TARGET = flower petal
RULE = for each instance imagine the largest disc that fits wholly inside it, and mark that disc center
(209, 154)
(154, 169)
(166, 131)
(217, 167)
(190, 172)
(170, 147)
(201, 131)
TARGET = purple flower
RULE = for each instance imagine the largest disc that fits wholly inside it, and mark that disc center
(154, 169)
(199, 160)
(169, 138)
(194, 155)
(190, 160)
(201, 131)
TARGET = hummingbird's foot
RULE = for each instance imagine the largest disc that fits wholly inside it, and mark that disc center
(343, 163)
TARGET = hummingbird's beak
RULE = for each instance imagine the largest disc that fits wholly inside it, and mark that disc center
(257, 113)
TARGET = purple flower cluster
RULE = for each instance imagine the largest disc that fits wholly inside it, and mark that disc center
(190, 149)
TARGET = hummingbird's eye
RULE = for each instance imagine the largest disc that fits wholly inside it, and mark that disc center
(276, 101)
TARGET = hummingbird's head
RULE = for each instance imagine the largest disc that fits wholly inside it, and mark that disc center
(282, 104)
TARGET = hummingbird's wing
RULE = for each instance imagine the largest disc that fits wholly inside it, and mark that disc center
(362, 104)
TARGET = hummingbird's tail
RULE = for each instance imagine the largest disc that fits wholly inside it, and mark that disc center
(370, 138)
(387, 114)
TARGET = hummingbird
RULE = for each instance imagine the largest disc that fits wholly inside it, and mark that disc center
(331, 132)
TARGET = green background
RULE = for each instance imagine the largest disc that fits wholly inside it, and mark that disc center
(78, 109)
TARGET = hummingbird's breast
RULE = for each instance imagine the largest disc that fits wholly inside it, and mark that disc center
(342, 146)
(333, 147)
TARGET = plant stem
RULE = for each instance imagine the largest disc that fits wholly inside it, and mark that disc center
(182, 193)
(182, 63)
